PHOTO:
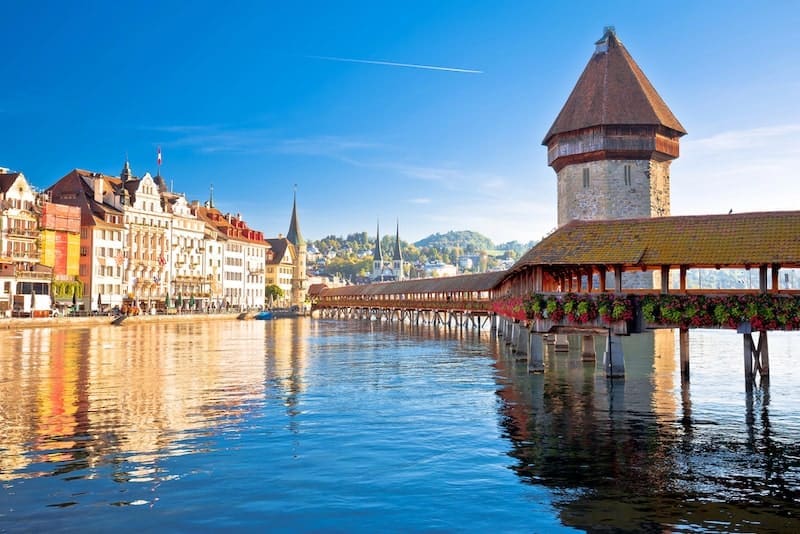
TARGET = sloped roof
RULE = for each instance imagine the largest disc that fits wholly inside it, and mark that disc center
(294, 234)
(315, 289)
(279, 246)
(734, 240)
(377, 255)
(7, 179)
(613, 90)
(449, 284)
(77, 184)
(397, 255)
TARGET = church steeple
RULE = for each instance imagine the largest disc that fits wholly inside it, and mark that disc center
(377, 256)
(397, 255)
(211, 196)
(294, 235)
(126, 174)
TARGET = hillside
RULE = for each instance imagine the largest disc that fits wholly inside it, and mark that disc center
(467, 241)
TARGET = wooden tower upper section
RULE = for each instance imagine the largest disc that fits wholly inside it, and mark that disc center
(613, 140)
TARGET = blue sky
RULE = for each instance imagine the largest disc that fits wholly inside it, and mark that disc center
(239, 94)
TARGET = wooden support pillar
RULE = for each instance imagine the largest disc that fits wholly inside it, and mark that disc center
(762, 278)
(748, 358)
(664, 279)
(763, 349)
(683, 278)
(684, 349)
(588, 353)
(614, 359)
(602, 271)
(618, 278)
(535, 353)
(775, 270)
(512, 327)
(493, 324)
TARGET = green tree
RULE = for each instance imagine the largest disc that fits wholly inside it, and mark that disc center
(273, 292)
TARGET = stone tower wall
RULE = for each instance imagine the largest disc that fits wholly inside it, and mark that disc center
(608, 196)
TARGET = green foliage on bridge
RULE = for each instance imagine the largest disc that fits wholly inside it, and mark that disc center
(762, 311)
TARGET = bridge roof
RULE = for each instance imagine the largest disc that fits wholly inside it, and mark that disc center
(449, 284)
(732, 241)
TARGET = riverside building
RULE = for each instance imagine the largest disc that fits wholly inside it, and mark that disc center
(145, 246)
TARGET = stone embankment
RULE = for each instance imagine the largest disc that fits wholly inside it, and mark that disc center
(72, 322)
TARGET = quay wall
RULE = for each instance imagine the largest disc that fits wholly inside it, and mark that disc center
(13, 323)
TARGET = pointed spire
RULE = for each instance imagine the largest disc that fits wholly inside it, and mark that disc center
(126, 173)
(398, 255)
(294, 236)
(378, 255)
(211, 196)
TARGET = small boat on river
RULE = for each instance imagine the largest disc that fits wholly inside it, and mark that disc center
(263, 315)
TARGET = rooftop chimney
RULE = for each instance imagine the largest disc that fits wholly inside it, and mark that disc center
(98, 189)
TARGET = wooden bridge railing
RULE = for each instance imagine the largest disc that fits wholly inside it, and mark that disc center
(477, 305)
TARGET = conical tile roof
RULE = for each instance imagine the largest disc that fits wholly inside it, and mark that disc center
(612, 90)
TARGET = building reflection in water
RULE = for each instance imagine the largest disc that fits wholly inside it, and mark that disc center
(627, 454)
(73, 399)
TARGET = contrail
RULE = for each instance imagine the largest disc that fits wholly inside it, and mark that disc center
(393, 64)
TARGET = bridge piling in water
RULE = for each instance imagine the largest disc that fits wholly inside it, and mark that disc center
(684, 350)
(756, 357)
(521, 342)
(588, 352)
(613, 359)
(535, 353)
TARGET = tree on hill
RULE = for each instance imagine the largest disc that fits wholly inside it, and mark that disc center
(467, 241)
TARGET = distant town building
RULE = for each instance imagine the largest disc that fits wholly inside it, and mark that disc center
(287, 263)
(384, 269)
(25, 283)
(439, 269)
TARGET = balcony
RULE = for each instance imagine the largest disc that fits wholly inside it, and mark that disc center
(33, 275)
(22, 232)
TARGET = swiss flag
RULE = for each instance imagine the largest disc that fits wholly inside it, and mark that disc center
(159, 156)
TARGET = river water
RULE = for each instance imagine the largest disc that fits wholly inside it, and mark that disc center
(334, 426)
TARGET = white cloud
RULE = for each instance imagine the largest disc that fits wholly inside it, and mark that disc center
(216, 138)
(743, 170)
(747, 140)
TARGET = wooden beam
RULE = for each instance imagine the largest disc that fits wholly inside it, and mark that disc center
(775, 272)
(602, 270)
(664, 279)
(683, 270)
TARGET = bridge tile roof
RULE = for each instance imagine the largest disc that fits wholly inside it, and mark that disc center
(733, 240)
(449, 284)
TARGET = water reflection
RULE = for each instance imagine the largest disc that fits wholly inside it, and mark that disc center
(304, 419)
(75, 399)
(633, 455)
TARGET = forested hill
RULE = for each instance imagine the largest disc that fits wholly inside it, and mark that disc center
(466, 240)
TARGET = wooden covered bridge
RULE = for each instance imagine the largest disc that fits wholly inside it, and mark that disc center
(612, 277)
